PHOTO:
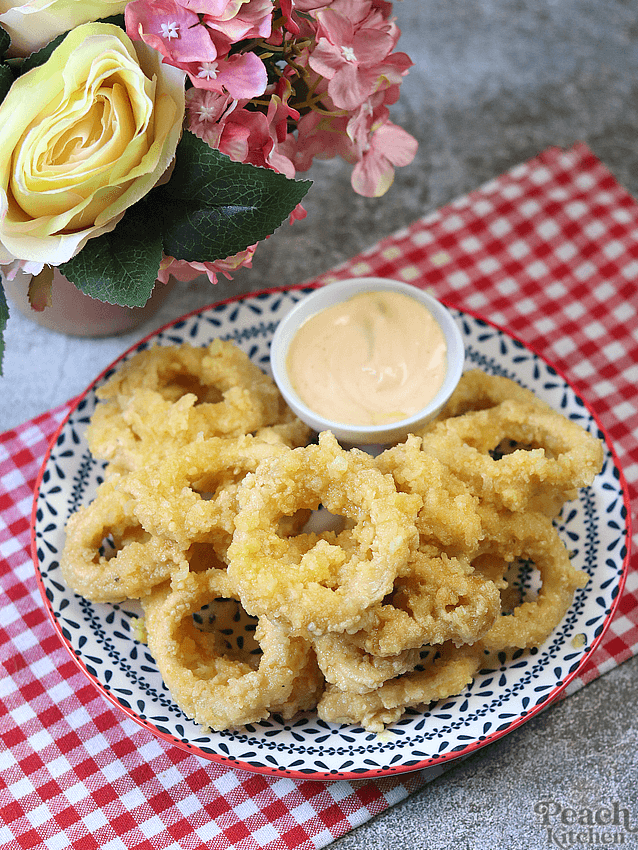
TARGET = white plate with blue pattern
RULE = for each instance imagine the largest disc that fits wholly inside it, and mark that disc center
(103, 640)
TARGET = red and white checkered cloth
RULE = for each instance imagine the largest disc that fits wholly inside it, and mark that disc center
(548, 251)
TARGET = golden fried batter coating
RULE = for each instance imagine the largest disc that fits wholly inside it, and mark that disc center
(215, 689)
(352, 669)
(445, 674)
(191, 494)
(168, 396)
(330, 587)
(477, 390)
(108, 556)
(532, 538)
(448, 518)
(210, 480)
(556, 456)
(439, 599)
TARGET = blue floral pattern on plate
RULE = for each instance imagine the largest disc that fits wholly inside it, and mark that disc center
(105, 642)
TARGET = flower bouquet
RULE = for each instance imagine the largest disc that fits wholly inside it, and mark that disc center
(162, 138)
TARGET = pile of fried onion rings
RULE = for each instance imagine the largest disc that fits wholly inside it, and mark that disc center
(208, 515)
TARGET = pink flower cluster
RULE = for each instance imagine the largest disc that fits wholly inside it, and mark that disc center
(276, 83)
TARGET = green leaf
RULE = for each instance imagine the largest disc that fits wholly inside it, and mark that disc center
(5, 41)
(39, 57)
(4, 315)
(213, 207)
(120, 267)
(116, 20)
(6, 81)
(210, 209)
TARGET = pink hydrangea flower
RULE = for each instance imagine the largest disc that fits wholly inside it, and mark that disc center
(355, 39)
(351, 52)
(235, 20)
(298, 214)
(377, 12)
(184, 271)
(171, 29)
(307, 5)
(241, 75)
(289, 8)
(380, 146)
(243, 135)
(207, 114)
(319, 136)
(280, 113)
(197, 36)
(341, 51)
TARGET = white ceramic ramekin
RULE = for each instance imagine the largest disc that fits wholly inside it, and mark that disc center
(335, 293)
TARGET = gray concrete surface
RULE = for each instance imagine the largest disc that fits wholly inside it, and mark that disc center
(516, 794)
(495, 82)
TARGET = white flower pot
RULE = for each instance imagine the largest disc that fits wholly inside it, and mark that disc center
(76, 314)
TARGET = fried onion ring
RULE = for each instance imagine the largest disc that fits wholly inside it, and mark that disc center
(134, 561)
(477, 390)
(439, 599)
(444, 674)
(191, 494)
(168, 396)
(329, 588)
(217, 690)
(562, 456)
(352, 669)
(449, 518)
(531, 537)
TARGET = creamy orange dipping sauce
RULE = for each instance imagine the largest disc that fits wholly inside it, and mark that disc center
(378, 357)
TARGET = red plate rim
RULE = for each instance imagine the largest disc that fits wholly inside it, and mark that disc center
(336, 775)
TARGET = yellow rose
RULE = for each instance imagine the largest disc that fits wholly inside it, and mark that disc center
(34, 23)
(82, 138)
